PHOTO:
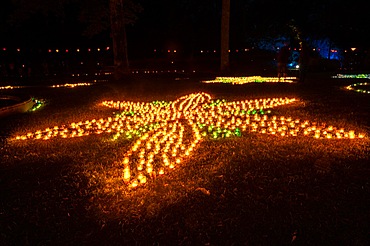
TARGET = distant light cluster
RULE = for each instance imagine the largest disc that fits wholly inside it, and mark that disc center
(166, 133)
(160, 71)
(4, 49)
(71, 85)
(37, 104)
(9, 87)
(354, 87)
(86, 74)
(251, 79)
(352, 76)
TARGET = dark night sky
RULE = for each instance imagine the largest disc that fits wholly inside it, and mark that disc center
(196, 23)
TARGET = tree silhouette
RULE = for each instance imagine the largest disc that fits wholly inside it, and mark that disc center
(122, 13)
(96, 16)
(225, 32)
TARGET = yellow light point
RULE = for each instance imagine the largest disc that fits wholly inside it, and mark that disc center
(126, 174)
(134, 184)
(149, 169)
(141, 178)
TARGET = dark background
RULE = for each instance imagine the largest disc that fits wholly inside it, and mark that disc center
(184, 24)
(191, 27)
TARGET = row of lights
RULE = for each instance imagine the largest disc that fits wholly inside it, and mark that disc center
(87, 74)
(10, 87)
(236, 50)
(250, 79)
(352, 76)
(66, 50)
(354, 87)
(72, 85)
(69, 85)
(108, 48)
(169, 132)
(159, 71)
(155, 50)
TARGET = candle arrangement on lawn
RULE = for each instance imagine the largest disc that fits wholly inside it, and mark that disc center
(166, 133)
(250, 79)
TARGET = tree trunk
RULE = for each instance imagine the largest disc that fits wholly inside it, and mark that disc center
(225, 26)
(119, 39)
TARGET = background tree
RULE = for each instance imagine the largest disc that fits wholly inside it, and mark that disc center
(122, 13)
(92, 18)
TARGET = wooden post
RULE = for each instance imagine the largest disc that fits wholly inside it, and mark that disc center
(225, 29)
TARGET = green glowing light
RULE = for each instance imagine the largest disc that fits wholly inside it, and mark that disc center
(37, 104)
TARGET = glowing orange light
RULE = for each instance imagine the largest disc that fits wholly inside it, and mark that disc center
(174, 130)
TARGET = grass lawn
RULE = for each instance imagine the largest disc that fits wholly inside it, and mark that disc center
(257, 189)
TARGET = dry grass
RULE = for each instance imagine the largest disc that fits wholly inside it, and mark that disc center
(253, 190)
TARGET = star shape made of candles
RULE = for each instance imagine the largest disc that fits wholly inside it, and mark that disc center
(168, 132)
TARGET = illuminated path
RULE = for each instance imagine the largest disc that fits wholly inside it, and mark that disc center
(168, 132)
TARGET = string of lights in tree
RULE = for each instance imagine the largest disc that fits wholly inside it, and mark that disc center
(250, 79)
(166, 133)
